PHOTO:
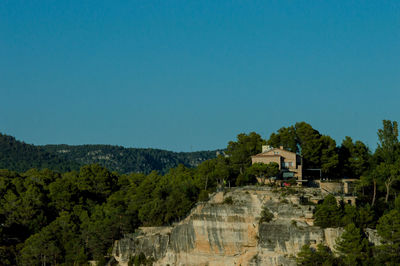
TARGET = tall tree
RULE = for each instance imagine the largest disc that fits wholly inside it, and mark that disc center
(318, 151)
(353, 246)
(389, 229)
(354, 158)
(388, 174)
(388, 146)
(328, 214)
(286, 137)
(240, 151)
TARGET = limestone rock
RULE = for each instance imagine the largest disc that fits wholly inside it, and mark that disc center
(215, 233)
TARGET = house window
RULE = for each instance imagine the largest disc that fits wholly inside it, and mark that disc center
(276, 152)
(287, 164)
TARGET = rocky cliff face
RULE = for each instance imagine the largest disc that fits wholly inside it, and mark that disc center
(216, 233)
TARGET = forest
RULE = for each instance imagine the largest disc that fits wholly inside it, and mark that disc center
(19, 156)
(50, 217)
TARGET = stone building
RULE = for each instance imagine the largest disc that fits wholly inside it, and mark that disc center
(290, 163)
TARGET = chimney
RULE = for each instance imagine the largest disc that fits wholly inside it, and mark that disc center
(281, 147)
(265, 148)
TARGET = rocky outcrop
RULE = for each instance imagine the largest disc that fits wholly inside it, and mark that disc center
(216, 233)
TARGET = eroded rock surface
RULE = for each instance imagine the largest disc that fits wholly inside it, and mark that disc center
(215, 233)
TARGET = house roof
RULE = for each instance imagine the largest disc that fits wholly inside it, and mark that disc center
(273, 155)
(267, 155)
(280, 150)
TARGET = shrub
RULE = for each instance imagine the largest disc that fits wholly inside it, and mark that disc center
(266, 215)
(228, 200)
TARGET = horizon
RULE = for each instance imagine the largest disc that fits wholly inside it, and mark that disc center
(192, 76)
(156, 148)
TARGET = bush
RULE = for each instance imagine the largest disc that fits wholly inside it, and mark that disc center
(228, 200)
(266, 215)
(139, 260)
(245, 179)
(320, 256)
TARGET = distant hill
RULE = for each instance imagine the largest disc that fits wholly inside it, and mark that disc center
(127, 160)
(19, 156)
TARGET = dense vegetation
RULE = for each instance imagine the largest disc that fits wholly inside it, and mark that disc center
(19, 156)
(129, 160)
(55, 217)
(378, 207)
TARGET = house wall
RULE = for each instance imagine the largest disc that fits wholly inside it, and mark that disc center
(267, 160)
(281, 156)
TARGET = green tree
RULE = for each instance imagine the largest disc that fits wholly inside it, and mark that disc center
(223, 171)
(371, 178)
(240, 151)
(205, 176)
(366, 217)
(263, 171)
(328, 214)
(96, 182)
(286, 137)
(389, 229)
(56, 243)
(353, 246)
(388, 146)
(388, 174)
(354, 158)
(329, 156)
(322, 256)
(350, 215)
(64, 192)
(318, 151)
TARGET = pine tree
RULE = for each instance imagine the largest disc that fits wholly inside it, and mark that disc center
(328, 214)
(353, 247)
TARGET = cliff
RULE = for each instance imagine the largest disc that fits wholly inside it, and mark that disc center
(218, 233)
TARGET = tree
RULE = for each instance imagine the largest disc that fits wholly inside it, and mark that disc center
(222, 172)
(321, 256)
(353, 246)
(310, 144)
(388, 174)
(389, 229)
(329, 156)
(96, 182)
(58, 242)
(328, 214)
(240, 151)
(350, 215)
(263, 171)
(354, 158)
(286, 137)
(371, 178)
(205, 174)
(388, 146)
(318, 151)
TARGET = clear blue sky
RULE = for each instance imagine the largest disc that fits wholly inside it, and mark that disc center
(191, 75)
